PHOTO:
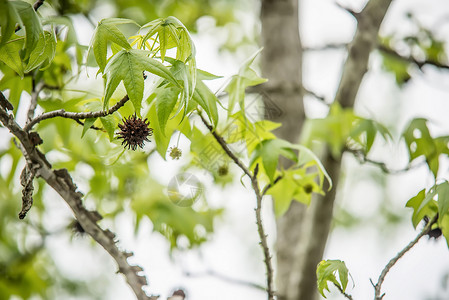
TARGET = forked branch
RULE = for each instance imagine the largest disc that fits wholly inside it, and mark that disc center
(258, 210)
(394, 260)
(75, 116)
(61, 182)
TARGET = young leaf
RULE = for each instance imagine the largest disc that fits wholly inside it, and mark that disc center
(87, 124)
(30, 20)
(110, 124)
(105, 32)
(422, 206)
(207, 100)
(166, 98)
(43, 52)
(10, 54)
(8, 20)
(420, 142)
(246, 77)
(270, 151)
(327, 270)
(128, 65)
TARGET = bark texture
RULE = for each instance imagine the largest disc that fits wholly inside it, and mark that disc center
(281, 64)
(302, 233)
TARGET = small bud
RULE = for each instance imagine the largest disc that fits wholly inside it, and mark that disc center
(175, 152)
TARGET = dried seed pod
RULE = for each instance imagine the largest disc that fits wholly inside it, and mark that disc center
(134, 131)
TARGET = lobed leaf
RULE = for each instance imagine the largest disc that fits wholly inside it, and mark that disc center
(326, 271)
(105, 32)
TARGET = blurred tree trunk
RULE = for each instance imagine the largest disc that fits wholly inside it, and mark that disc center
(302, 232)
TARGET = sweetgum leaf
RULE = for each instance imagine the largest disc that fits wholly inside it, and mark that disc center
(105, 32)
(327, 270)
(127, 66)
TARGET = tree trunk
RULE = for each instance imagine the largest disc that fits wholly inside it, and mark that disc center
(302, 233)
(281, 64)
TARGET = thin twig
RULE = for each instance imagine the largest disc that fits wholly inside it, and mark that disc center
(390, 51)
(227, 279)
(259, 195)
(225, 147)
(362, 158)
(269, 186)
(347, 296)
(315, 95)
(263, 236)
(394, 260)
(76, 116)
(332, 46)
(36, 89)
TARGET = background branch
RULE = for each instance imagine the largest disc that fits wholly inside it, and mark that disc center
(390, 51)
(228, 279)
(362, 158)
(394, 260)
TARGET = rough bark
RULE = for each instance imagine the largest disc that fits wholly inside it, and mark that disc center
(302, 233)
(62, 183)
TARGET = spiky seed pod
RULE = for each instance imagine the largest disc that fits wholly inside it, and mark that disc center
(134, 131)
(175, 152)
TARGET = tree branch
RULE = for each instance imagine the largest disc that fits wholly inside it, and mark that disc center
(37, 88)
(62, 183)
(390, 51)
(223, 277)
(347, 296)
(394, 260)
(258, 210)
(316, 220)
(76, 116)
(362, 158)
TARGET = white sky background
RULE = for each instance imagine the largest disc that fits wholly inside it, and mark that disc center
(233, 249)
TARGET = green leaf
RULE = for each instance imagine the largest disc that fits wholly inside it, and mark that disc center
(334, 130)
(105, 32)
(128, 65)
(326, 271)
(204, 75)
(207, 100)
(44, 52)
(8, 20)
(443, 224)
(443, 198)
(245, 77)
(110, 124)
(166, 98)
(420, 142)
(364, 133)
(87, 124)
(10, 54)
(422, 205)
(282, 193)
(30, 21)
(269, 151)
